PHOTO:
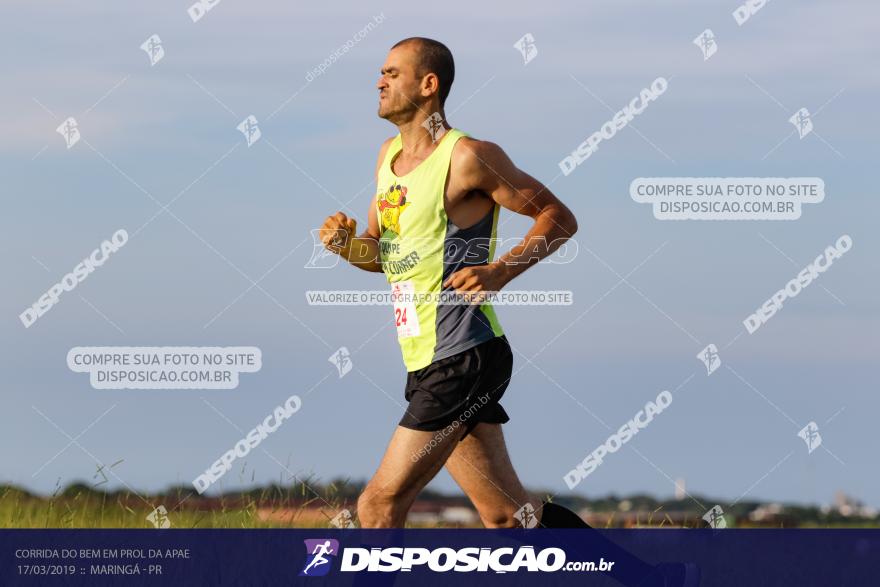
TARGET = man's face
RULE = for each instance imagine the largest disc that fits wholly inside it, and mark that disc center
(399, 93)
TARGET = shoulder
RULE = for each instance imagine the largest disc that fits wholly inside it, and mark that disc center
(474, 158)
(386, 144)
(470, 151)
(383, 150)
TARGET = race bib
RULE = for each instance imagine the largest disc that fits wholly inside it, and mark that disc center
(405, 317)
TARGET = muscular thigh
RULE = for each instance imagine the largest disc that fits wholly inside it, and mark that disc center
(482, 468)
(411, 460)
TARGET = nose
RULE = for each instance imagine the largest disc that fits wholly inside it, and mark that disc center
(381, 84)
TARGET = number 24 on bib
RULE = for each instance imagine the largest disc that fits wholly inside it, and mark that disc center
(405, 317)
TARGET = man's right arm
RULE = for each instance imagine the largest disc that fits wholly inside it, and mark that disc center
(363, 252)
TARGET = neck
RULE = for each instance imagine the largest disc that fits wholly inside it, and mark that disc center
(415, 138)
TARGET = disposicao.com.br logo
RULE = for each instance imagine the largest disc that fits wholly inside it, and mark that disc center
(441, 560)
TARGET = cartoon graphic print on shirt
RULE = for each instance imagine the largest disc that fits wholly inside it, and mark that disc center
(391, 205)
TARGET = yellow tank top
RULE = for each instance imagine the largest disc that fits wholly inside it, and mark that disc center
(420, 247)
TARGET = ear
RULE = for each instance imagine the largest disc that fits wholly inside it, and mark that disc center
(430, 85)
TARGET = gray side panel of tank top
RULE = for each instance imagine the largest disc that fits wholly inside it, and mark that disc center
(460, 327)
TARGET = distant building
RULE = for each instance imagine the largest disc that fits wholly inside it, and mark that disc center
(766, 513)
(849, 506)
(430, 513)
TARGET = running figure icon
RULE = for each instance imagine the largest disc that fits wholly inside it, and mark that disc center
(321, 549)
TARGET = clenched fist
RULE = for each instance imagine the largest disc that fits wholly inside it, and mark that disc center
(338, 232)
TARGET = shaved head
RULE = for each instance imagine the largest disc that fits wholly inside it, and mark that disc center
(433, 57)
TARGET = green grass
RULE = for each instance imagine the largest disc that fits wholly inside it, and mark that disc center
(299, 505)
(80, 506)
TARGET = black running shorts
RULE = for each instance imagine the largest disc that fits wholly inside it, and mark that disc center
(460, 390)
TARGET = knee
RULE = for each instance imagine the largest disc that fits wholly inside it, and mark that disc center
(509, 515)
(377, 508)
(498, 518)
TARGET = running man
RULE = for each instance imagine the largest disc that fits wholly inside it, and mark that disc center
(431, 228)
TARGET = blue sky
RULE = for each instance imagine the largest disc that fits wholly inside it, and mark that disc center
(156, 133)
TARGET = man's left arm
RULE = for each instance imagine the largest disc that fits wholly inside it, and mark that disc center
(486, 167)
